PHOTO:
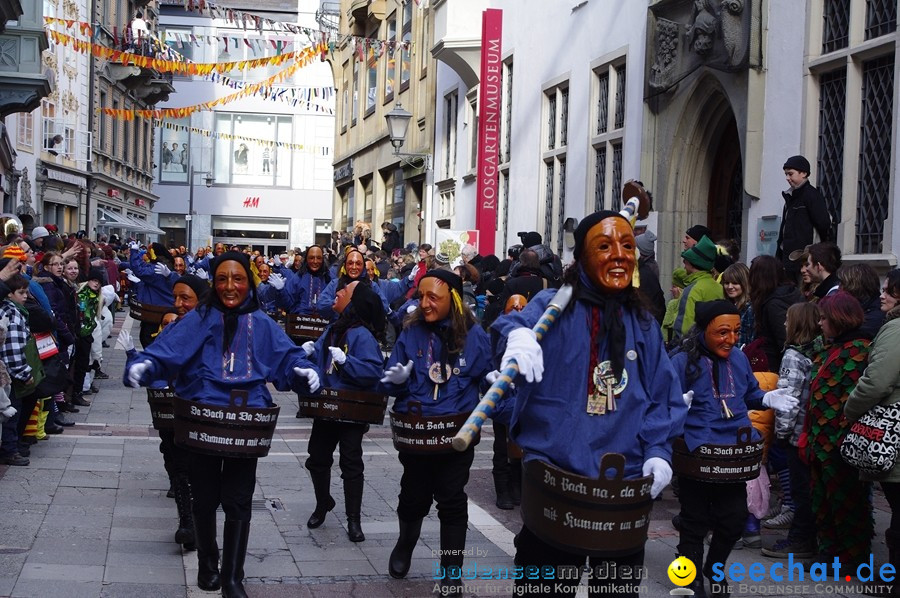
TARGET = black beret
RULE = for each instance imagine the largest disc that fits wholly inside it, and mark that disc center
(707, 311)
(588, 222)
(452, 280)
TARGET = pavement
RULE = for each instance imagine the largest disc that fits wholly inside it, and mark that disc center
(90, 518)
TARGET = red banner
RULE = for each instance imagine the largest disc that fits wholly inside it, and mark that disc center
(489, 129)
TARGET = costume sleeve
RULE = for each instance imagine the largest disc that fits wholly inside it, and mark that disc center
(283, 355)
(364, 365)
(267, 293)
(140, 268)
(175, 348)
(392, 290)
(326, 300)
(664, 420)
(753, 398)
(881, 375)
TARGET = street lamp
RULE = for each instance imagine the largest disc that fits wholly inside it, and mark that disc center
(209, 179)
(398, 125)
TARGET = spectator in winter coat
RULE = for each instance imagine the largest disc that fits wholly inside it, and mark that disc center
(804, 213)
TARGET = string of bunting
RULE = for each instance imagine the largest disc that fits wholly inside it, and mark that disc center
(162, 113)
(311, 96)
(318, 149)
(173, 66)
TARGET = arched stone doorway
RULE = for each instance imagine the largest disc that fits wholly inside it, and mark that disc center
(726, 187)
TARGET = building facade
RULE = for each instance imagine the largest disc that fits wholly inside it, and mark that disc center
(256, 171)
(701, 101)
(383, 62)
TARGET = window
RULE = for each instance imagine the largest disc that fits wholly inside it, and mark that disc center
(129, 131)
(368, 199)
(115, 132)
(555, 134)
(25, 132)
(881, 17)
(355, 105)
(174, 152)
(451, 111)
(506, 118)
(104, 122)
(179, 44)
(406, 36)
(608, 106)
(351, 207)
(472, 123)
(836, 31)
(239, 162)
(830, 162)
(371, 76)
(390, 65)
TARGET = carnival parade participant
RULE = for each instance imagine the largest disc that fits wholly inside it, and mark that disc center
(157, 280)
(719, 388)
(354, 268)
(299, 293)
(349, 356)
(610, 343)
(439, 360)
(223, 346)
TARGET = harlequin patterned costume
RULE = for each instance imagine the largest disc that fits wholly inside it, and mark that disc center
(841, 502)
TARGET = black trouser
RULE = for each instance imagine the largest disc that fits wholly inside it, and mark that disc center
(500, 459)
(25, 411)
(9, 436)
(804, 525)
(705, 505)
(325, 436)
(531, 551)
(441, 478)
(892, 494)
(175, 459)
(81, 363)
(226, 481)
(148, 329)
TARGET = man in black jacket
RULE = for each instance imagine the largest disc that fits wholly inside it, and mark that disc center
(804, 212)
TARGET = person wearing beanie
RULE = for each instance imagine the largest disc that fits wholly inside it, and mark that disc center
(700, 285)
(648, 274)
(15, 252)
(804, 215)
(38, 235)
(719, 387)
(693, 235)
(190, 353)
(439, 362)
(606, 375)
(154, 293)
(349, 355)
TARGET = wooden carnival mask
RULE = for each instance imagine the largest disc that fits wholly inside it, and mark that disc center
(608, 255)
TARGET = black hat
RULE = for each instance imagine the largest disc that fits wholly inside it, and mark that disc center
(197, 284)
(453, 280)
(587, 223)
(798, 163)
(698, 231)
(367, 305)
(530, 239)
(707, 311)
(96, 273)
(161, 254)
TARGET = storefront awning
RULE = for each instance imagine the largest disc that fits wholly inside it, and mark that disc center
(116, 220)
(145, 227)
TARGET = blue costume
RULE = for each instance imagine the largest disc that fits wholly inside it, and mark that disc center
(364, 365)
(550, 414)
(192, 354)
(301, 292)
(268, 297)
(457, 395)
(154, 288)
(393, 289)
(326, 299)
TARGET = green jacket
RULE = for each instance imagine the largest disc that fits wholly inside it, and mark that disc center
(701, 286)
(880, 383)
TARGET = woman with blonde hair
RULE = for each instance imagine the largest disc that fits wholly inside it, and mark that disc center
(736, 285)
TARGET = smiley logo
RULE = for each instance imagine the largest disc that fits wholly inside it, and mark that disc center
(682, 571)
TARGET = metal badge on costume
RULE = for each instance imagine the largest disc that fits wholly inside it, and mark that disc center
(235, 431)
(414, 433)
(344, 404)
(144, 312)
(162, 412)
(603, 399)
(720, 462)
(307, 327)
(606, 517)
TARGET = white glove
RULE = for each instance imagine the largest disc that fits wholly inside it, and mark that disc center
(522, 346)
(337, 356)
(134, 245)
(492, 376)
(189, 258)
(661, 472)
(688, 398)
(412, 274)
(780, 400)
(162, 269)
(277, 281)
(9, 412)
(202, 274)
(312, 378)
(398, 374)
(309, 347)
(130, 275)
(124, 340)
(136, 372)
(411, 308)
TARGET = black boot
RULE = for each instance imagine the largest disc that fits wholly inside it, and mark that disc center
(234, 550)
(719, 552)
(324, 502)
(185, 534)
(501, 488)
(207, 552)
(880, 588)
(401, 556)
(453, 542)
(353, 491)
(515, 481)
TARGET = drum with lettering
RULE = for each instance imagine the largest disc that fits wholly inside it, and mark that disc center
(606, 517)
(344, 404)
(234, 431)
(162, 412)
(307, 327)
(145, 312)
(414, 433)
(738, 462)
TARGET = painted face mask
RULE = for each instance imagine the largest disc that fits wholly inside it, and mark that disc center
(608, 255)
